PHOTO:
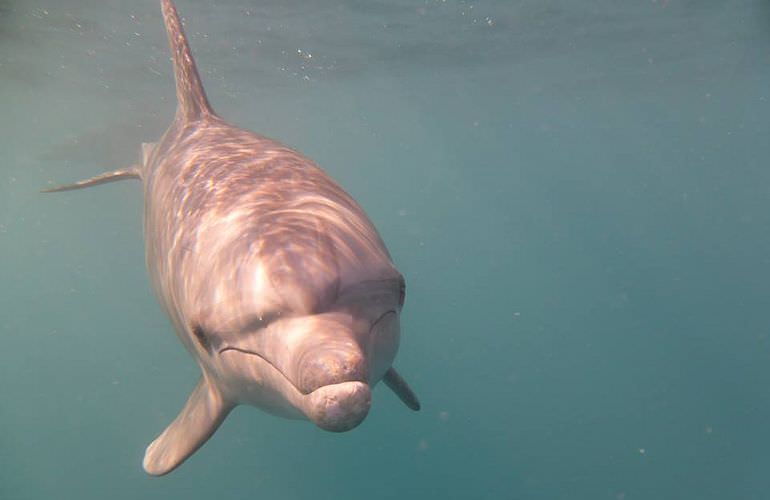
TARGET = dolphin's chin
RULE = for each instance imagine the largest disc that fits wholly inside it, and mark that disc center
(339, 407)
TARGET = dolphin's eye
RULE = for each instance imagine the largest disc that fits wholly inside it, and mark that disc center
(401, 292)
(201, 337)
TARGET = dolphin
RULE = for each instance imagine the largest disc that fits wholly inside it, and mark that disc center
(274, 278)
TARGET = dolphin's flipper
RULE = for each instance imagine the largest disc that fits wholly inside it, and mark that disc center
(200, 417)
(116, 175)
(398, 385)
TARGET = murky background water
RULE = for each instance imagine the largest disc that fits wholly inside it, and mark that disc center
(577, 193)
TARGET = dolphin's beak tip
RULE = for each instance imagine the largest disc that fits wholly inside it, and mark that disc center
(339, 407)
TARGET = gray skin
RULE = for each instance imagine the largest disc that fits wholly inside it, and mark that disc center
(274, 278)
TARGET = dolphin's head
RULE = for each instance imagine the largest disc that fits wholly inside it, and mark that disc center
(291, 303)
(305, 352)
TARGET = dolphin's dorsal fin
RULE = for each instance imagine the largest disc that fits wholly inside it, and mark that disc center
(399, 386)
(191, 98)
(201, 416)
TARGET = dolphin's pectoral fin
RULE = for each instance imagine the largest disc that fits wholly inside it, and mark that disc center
(398, 385)
(201, 416)
(116, 175)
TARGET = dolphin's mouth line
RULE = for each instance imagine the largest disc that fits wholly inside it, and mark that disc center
(245, 351)
(392, 311)
(266, 360)
(255, 353)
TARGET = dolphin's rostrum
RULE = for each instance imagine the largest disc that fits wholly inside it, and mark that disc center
(273, 276)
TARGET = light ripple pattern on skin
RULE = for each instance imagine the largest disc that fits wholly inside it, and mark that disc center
(273, 276)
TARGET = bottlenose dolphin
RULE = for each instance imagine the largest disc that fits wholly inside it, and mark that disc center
(273, 276)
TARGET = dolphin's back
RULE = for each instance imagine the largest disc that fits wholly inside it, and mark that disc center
(223, 204)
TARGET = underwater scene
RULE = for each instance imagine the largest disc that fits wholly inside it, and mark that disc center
(553, 283)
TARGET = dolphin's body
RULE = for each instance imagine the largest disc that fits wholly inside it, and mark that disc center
(274, 278)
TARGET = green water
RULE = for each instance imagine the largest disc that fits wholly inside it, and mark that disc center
(576, 193)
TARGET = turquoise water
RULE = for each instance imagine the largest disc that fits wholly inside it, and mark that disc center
(576, 193)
